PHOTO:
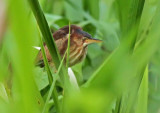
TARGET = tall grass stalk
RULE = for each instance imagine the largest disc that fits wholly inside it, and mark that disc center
(68, 47)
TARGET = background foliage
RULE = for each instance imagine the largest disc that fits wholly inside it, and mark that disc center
(120, 75)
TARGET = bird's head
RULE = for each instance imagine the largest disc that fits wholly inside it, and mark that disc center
(79, 40)
(76, 34)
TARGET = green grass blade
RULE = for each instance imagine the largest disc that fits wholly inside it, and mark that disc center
(68, 47)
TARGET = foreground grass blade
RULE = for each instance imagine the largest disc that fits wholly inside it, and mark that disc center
(26, 97)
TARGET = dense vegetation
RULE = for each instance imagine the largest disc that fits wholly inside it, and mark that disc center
(120, 75)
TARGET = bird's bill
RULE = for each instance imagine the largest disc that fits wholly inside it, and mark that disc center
(92, 40)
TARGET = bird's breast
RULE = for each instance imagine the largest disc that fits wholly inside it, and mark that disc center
(77, 51)
(77, 55)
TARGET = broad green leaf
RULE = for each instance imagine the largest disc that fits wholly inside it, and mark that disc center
(73, 14)
(93, 7)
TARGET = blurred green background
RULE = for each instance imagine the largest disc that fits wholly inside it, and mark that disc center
(120, 75)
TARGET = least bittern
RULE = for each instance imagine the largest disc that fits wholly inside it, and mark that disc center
(79, 40)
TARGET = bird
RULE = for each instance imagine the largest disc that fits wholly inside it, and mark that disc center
(79, 41)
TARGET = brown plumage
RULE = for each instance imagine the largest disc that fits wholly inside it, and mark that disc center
(79, 41)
